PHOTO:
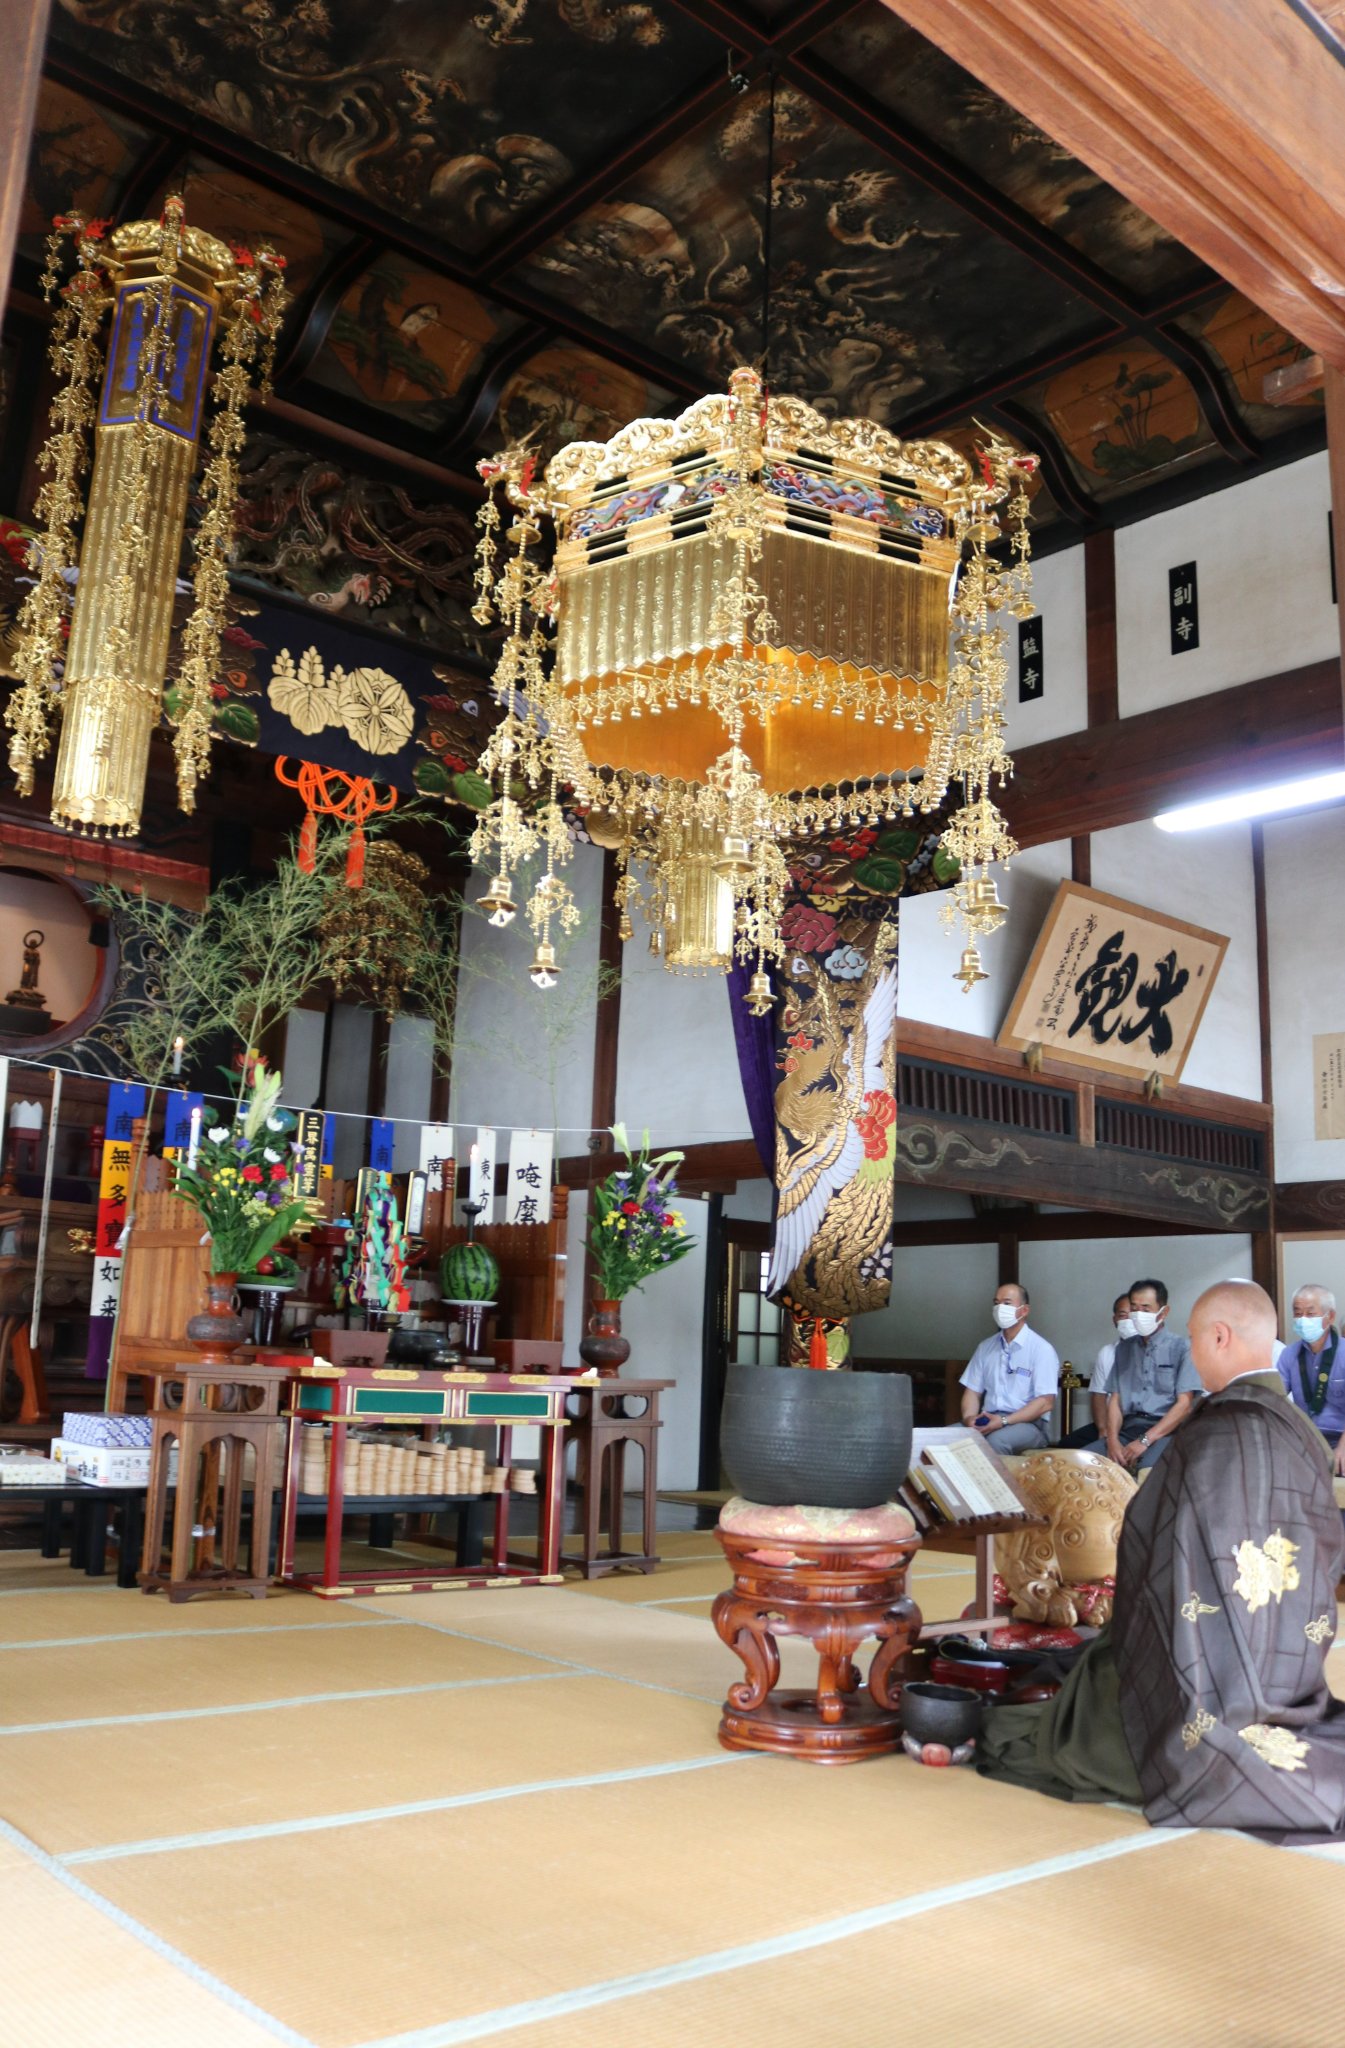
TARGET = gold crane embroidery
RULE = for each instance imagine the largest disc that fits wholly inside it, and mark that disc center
(1193, 1608)
(1278, 1747)
(1200, 1724)
(1263, 1573)
(1318, 1631)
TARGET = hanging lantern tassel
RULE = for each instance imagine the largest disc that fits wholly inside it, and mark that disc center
(331, 793)
(818, 1359)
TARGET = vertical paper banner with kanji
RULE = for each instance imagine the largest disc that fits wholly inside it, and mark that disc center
(177, 1121)
(125, 1102)
(482, 1175)
(328, 1147)
(436, 1146)
(309, 1130)
(528, 1196)
(382, 1138)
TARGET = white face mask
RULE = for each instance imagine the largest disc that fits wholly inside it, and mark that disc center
(1146, 1321)
(1126, 1327)
(1007, 1314)
(1309, 1328)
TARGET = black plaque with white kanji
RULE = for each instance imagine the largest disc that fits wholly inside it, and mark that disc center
(1183, 608)
(1031, 669)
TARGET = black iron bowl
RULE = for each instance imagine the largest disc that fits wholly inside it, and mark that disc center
(790, 1436)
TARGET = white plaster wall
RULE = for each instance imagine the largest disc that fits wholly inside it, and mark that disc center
(940, 1305)
(1073, 1282)
(507, 1069)
(1058, 591)
(1305, 885)
(930, 949)
(750, 1202)
(677, 1065)
(407, 1084)
(301, 1066)
(1206, 879)
(1264, 585)
(664, 1327)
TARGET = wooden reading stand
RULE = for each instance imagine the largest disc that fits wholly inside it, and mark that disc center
(933, 1516)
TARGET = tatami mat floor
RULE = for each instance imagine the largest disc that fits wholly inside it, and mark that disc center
(412, 1822)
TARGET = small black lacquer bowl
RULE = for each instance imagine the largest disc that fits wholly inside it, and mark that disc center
(950, 1714)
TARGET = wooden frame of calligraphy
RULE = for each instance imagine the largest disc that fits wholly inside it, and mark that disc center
(1113, 986)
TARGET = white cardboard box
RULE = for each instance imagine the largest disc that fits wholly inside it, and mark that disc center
(109, 1464)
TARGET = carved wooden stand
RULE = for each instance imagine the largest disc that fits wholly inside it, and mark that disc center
(836, 1595)
(205, 1408)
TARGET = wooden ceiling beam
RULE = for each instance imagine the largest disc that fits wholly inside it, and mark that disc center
(1220, 118)
(1131, 768)
(309, 320)
(1074, 502)
(480, 407)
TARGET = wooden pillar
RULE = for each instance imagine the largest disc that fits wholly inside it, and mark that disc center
(1008, 1258)
(607, 1031)
(1265, 1265)
(25, 24)
(1099, 596)
(1333, 387)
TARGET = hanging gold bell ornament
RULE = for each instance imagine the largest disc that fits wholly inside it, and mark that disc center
(171, 298)
(767, 626)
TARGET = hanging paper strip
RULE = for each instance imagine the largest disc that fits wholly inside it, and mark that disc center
(382, 1138)
(125, 1102)
(436, 1145)
(528, 1195)
(482, 1177)
(308, 1135)
(177, 1121)
(328, 1146)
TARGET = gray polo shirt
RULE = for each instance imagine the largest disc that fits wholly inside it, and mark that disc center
(1148, 1374)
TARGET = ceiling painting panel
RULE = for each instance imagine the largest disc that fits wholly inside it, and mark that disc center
(565, 394)
(80, 160)
(244, 214)
(457, 117)
(406, 341)
(882, 294)
(947, 106)
(1246, 345)
(1125, 418)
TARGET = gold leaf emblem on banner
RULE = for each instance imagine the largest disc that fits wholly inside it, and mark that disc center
(376, 711)
(368, 703)
(1200, 1724)
(1318, 1631)
(1265, 1573)
(1278, 1747)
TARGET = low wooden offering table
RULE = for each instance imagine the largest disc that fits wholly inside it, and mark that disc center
(205, 1409)
(835, 1576)
(353, 1396)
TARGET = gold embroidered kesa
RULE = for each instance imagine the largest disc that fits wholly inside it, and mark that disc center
(752, 608)
(173, 299)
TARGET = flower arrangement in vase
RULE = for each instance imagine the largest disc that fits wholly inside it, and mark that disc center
(635, 1232)
(241, 1177)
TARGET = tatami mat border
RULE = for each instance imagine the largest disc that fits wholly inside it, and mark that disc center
(716, 1962)
(314, 1824)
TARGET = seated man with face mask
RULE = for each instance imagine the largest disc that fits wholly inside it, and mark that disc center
(1205, 1698)
(1010, 1384)
(1152, 1383)
(1312, 1367)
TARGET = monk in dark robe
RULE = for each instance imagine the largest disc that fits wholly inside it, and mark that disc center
(1205, 1700)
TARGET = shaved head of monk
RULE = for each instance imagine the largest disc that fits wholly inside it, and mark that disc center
(1232, 1331)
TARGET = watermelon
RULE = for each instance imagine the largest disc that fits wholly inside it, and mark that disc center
(468, 1272)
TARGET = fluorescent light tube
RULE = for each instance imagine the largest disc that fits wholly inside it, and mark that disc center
(1245, 804)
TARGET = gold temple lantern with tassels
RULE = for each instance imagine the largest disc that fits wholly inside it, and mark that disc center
(172, 300)
(768, 625)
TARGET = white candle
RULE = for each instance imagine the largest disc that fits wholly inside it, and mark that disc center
(178, 1045)
(195, 1136)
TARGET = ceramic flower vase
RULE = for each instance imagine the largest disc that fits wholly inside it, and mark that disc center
(217, 1330)
(604, 1350)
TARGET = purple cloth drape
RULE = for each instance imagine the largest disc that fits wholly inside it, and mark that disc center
(755, 1040)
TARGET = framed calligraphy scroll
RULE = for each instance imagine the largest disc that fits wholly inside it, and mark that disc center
(1113, 986)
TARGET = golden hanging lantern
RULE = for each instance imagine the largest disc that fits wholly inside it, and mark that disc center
(175, 297)
(767, 625)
